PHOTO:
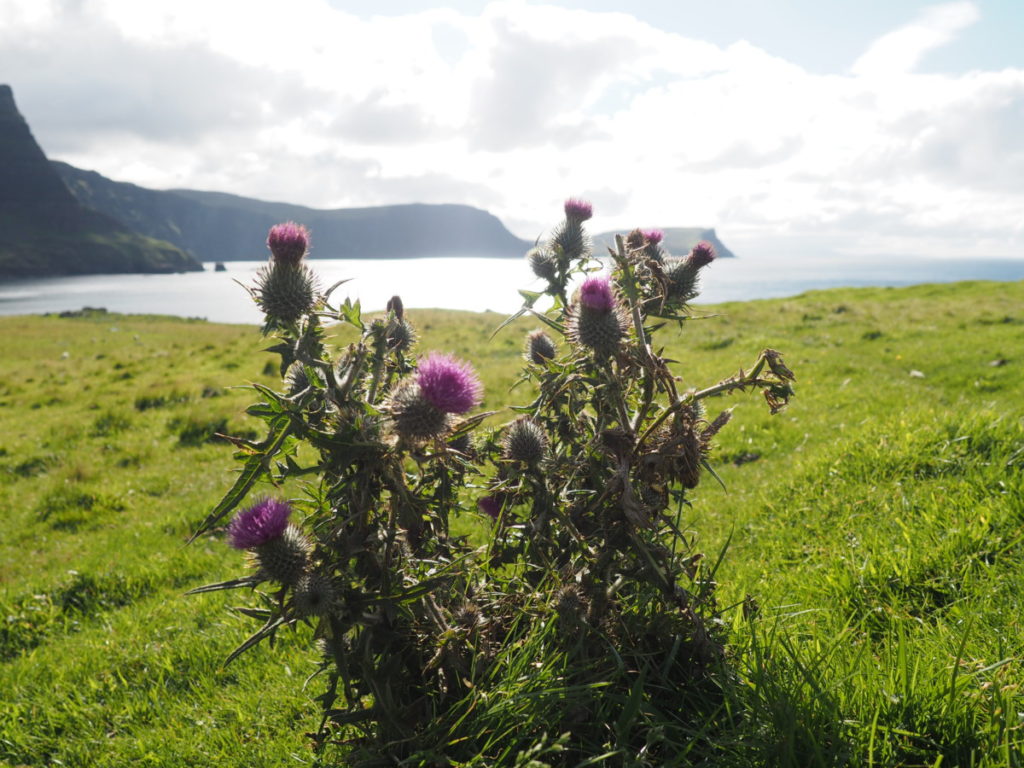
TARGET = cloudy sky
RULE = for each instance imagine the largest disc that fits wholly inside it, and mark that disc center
(876, 126)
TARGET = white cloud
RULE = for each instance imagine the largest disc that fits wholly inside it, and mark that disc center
(902, 49)
(518, 107)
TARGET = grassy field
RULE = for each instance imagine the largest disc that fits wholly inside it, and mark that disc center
(875, 529)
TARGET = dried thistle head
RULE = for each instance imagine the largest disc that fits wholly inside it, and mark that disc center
(684, 440)
(468, 616)
(712, 429)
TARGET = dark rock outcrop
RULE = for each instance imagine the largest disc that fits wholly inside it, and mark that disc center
(46, 231)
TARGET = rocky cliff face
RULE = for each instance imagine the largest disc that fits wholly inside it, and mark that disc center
(214, 226)
(46, 231)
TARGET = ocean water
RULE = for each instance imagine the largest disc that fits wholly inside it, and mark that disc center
(473, 284)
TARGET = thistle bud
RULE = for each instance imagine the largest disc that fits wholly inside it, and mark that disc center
(468, 616)
(652, 248)
(284, 559)
(540, 348)
(280, 549)
(284, 291)
(314, 594)
(570, 241)
(635, 240)
(395, 305)
(288, 242)
(295, 378)
(596, 321)
(525, 441)
(577, 210)
(463, 444)
(653, 236)
(542, 262)
(681, 279)
(572, 606)
(413, 415)
(400, 335)
(703, 253)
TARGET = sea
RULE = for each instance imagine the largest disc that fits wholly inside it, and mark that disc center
(464, 283)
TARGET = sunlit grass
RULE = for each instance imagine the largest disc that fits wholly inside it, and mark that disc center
(877, 525)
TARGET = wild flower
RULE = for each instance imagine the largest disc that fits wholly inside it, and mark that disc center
(578, 210)
(288, 242)
(703, 253)
(259, 524)
(449, 384)
(411, 616)
(596, 321)
(596, 294)
(490, 506)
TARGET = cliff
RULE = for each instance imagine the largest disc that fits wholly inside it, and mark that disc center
(46, 231)
(215, 226)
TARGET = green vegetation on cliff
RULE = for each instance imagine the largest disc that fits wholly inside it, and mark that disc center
(215, 226)
(45, 231)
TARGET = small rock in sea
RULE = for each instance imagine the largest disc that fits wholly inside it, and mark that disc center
(916, 375)
(219, 267)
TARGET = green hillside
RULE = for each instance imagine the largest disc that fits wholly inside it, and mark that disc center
(215, 226)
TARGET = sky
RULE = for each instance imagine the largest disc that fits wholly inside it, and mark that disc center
(846, 128)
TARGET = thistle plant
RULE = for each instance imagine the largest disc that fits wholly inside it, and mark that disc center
(588, 566)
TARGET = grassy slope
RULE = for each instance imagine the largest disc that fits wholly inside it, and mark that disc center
(880, 531)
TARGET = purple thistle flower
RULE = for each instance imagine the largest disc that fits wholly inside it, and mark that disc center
(288, 242)
(703, 253)
(654, 236)
(578, 210)
(448, 384)
(263, 522)
(596, 294)
(490, 506)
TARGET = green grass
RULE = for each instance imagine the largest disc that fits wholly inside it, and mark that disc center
(878, 525)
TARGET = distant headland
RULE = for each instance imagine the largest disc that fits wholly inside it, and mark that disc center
(62, 220)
